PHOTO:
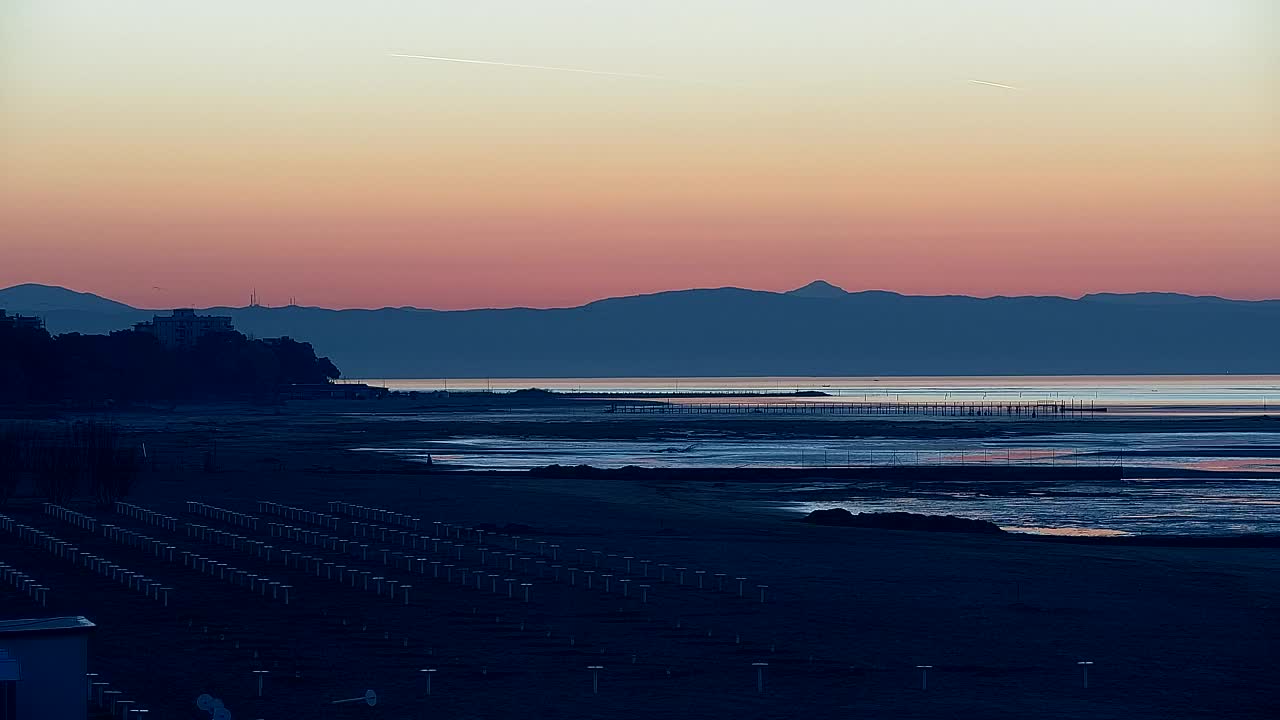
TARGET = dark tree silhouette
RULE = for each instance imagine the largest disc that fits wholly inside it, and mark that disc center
(57, 469)
(27, 366)
(129, 366)
(67, 457)
(110, 464)
(15, 458)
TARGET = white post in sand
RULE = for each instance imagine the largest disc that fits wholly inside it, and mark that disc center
(924, 676)
(428, 672)
(260, 673)
(595, 678)
(760, 666)
(1084, 668)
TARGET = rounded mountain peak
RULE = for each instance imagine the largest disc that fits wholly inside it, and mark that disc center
(819, 289)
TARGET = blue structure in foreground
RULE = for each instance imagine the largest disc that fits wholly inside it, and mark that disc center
(43, 662)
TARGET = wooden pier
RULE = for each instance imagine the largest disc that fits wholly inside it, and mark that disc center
(1019, 410)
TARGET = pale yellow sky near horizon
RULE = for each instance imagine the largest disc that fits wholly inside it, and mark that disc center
(213, 147)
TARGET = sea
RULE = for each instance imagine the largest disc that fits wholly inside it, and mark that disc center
(1200, 482)
(1199, 394)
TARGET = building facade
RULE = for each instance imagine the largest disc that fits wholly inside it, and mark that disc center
(21, 321)
(43, 668)
(184, 327)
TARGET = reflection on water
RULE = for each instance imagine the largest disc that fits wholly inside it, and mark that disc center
(1176, 394)
(1145, 507)
(1151, 505)
(1236, 451)
(1068, 532)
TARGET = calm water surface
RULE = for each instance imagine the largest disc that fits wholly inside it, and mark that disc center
(1133, 393)
(1158, 502)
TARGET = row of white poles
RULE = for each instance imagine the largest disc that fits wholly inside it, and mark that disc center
(111, 701)
(79, 519)
(57, 547)
(149, 517)
(243, 520)
(25, 584)
(625, 563)
(297, 514)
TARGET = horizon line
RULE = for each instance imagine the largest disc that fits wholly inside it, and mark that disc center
(792, 291)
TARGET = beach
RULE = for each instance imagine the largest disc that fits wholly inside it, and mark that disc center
(848, 614)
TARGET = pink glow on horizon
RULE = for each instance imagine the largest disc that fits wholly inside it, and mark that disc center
(280, 148)
(514, 261)
(437, 258)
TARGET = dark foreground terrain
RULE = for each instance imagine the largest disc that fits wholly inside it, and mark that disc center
(847, 615)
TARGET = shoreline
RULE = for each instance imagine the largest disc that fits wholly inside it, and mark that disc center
(849, 614)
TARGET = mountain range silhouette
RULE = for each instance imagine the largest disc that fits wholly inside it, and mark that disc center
(819, 329)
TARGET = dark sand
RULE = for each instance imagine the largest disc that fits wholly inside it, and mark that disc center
(849, 613)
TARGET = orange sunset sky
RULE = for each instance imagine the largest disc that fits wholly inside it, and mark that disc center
(171, 153)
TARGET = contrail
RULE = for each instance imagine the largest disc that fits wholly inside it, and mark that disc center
(535, 67)
(984, 82)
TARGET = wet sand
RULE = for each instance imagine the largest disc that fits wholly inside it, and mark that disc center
(849, 613)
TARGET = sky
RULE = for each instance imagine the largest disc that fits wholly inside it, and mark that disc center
(173, 152)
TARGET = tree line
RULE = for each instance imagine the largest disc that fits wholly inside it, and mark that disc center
(130, 366)
(64, 460)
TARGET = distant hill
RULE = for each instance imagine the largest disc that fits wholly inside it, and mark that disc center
(819, 289)
(33, 298)
(816, 330)
(66, 310)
